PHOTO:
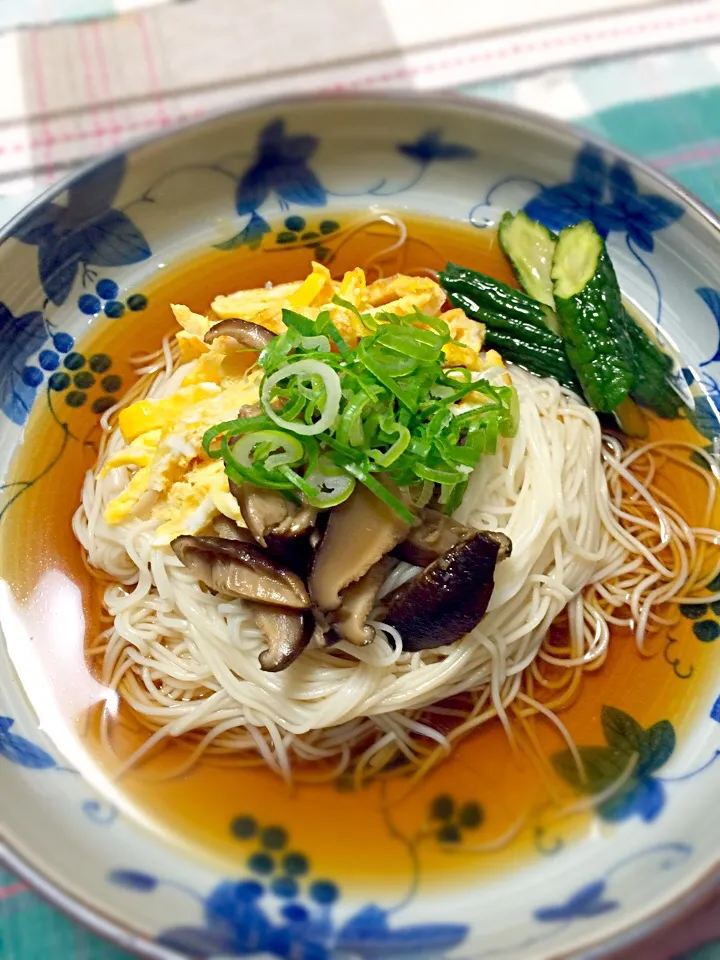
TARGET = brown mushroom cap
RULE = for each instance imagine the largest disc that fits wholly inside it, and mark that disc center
(434, 535)
(241, 570)
(449, 598)
(247, 334)
(359, 532)
(287, 635)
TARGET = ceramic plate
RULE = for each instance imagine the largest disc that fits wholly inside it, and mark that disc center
(87, 254)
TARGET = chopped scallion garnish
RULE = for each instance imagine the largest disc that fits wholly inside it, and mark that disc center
(383, 414)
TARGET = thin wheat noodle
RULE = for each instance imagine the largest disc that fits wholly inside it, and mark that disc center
(590, 533)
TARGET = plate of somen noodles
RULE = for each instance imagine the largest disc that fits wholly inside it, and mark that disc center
(359, 547)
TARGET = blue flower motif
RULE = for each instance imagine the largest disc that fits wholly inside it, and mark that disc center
(18, 750)
(589, 901)
(89, 230)
(22, 336)
(280, 167)
(237, 924)
(629, 748)
(429, 146)
(607, 195)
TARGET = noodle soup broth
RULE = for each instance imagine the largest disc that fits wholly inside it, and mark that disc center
(500, 793)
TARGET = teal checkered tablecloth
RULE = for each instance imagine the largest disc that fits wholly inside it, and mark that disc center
(664, 107)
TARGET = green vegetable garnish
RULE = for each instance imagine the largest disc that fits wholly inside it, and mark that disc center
(529, 246)
(588, 303)
(387, 409)
(591, 344)
(516, 324)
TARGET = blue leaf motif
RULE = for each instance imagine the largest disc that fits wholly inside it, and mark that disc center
(89, 230)
(631, 750)
(643, 238)
(659, 746)
(133, 880)
(38, 224)
(25, 335)
(18, 750)
(280, 167)
(250, 236)
(94, 192)
(430, 146)
(712, 300)
(299, 184)
(252, 191)
(369, 936)
(589, 901)
(58, 260)
(113, 240)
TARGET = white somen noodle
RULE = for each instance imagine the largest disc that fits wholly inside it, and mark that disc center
(589, 537)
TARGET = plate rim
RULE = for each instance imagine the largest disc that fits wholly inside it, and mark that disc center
(120, 933)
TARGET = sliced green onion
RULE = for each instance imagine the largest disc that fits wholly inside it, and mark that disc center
(411, 342)
(315, 343)
(234, 427)
(438, 474)
(239, 473)
(350, 427)
(385, 413)
(305, 369)
(327, 485)
(347, 305)
(291, 449)
(296, 321)
(389, 457)
(424, 496)
(381, 492)
(326, 324)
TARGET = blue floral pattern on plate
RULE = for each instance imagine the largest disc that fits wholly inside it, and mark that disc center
(629, 747)
(88, 231)
(592, 900)
(283, 913)
(608, 195)
(18, 750)
(18, 388)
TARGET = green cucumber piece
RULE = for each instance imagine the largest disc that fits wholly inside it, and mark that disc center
(652, 370)
(529, 246)
(591, 314)
(537, 349)
(494, 295)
